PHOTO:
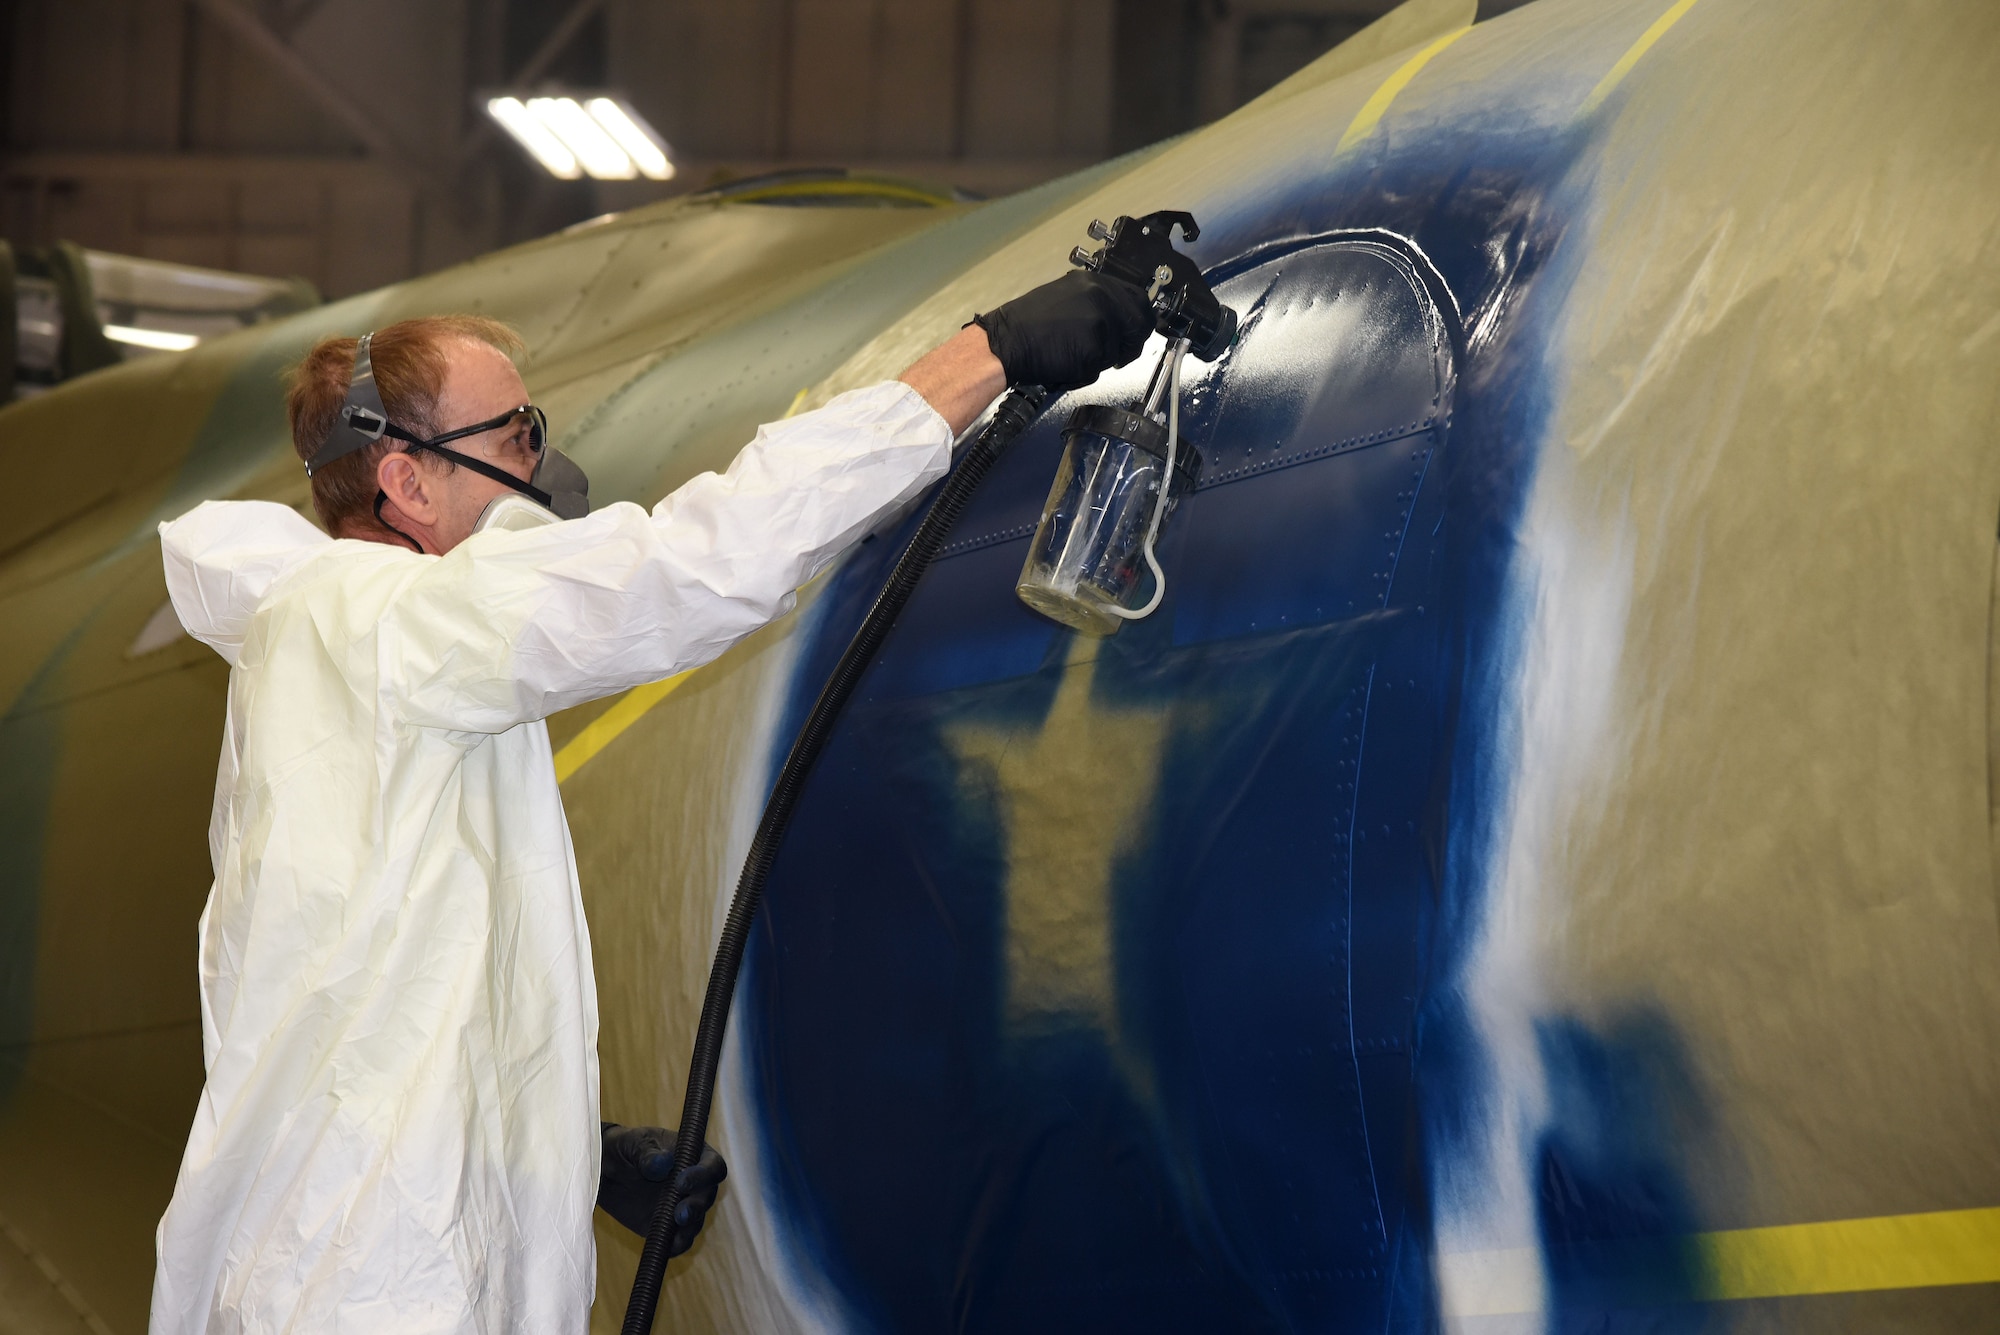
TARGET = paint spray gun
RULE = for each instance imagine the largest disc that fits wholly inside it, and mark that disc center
(1123, 470)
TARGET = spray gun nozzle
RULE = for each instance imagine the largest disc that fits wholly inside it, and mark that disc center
(1141, 251)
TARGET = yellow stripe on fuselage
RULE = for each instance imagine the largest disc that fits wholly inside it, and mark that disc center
(1940, 1249)
(1898, 1251)
(1633, 53)
(602, 730)
(1373, 109)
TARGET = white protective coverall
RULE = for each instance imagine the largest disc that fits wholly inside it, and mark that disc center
(399, 1131)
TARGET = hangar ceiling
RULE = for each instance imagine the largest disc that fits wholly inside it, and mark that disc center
(340, 140)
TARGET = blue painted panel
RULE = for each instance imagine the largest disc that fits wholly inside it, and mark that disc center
(966, 630)
(1229, 1147)
(1297, 546)
(1274, 542)
(1243, 1136)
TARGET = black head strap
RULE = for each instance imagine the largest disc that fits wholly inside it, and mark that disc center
(362, 420)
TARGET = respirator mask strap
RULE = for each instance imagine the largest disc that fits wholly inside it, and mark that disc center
(382, 497)
(500, 475)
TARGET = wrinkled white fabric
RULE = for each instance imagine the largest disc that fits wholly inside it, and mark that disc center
(399, 1127)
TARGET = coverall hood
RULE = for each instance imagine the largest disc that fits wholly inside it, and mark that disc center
(223, 560)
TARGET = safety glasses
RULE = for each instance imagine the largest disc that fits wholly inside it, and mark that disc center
(522, 430)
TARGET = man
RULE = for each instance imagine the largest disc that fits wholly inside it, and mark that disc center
(399, 1128)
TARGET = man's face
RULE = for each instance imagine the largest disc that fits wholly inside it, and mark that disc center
(480, 384)
(429, 500)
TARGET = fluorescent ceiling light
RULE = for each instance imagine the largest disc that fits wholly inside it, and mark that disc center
(532, 135)
(597, 151)
(595, 134)
(164, 340)
(645, 148)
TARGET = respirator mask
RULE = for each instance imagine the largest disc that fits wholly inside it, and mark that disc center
(557, 484)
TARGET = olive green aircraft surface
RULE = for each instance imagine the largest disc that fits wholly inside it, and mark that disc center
(1535, 872)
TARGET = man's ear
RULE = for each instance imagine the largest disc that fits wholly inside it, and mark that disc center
(406, 486)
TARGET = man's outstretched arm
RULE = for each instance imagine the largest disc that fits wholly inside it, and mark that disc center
(514, 625)
(1058, 336)
(958, 377)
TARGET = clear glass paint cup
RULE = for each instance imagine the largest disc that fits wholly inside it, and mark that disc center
(1088, 551)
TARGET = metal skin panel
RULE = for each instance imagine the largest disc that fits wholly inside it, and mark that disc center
(1609, 946)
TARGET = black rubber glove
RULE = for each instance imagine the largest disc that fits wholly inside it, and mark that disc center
(1061, 334)
(637, 1163)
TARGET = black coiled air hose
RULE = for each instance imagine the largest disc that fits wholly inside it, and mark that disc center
(1021, 406)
